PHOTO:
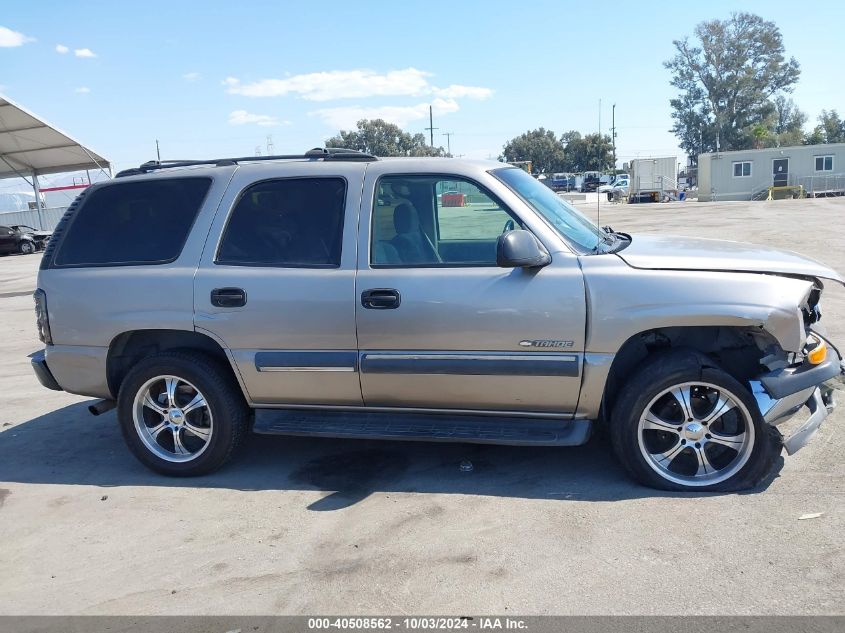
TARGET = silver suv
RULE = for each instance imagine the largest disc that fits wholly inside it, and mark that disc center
(336, 294)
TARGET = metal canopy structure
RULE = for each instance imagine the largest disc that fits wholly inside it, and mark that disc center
(31, 146)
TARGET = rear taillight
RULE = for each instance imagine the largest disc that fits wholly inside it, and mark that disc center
(41, 318)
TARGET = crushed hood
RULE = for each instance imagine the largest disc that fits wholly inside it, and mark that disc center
(671, 252)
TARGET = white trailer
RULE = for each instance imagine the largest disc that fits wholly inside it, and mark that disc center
(653, 179)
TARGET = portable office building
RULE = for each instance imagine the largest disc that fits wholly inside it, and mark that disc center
(817, 170)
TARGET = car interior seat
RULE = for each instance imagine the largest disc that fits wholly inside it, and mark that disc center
(411, 243)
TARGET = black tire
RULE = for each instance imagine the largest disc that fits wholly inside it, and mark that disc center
(662, 372)
(225, 402)
(26, 247)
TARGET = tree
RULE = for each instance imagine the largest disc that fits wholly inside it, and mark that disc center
(593, 152)
(789, 122)
(726, 80)
(540, 146)
(831, 129)
(782, 124)
(380, 138)
(761, 134)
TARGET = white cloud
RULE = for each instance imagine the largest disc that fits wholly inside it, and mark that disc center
(11, 39)
(82, 90)
(242, 117)
(346, 117)
(84, 52)
(61, 49)
(457, 91)
(191, 76)
(353, 84)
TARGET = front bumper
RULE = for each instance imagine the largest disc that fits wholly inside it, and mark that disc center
(42, 372)
(818, 398)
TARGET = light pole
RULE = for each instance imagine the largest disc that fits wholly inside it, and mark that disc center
(613, 135)
(721, 103)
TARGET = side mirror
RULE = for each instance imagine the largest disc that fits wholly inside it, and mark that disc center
(520, 249)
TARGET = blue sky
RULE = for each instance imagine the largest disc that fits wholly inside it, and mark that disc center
(215, 78)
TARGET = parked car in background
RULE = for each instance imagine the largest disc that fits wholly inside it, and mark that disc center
(617, 190)
(620, 185)
(591, 181)
(561, 182)
(15, 241)
(41, 237)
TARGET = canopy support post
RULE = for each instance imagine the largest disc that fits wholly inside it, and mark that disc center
(37, 189)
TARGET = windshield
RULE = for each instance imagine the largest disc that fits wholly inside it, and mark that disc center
(565, 218)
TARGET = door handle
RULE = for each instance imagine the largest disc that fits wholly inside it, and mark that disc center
(381, 299)
(228, 297)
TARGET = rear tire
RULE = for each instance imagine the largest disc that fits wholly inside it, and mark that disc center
(181, 414)
(682, 424)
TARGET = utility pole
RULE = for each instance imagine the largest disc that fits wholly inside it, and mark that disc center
(158, 153)
(613, 137)
(431, 127)
(448, 136)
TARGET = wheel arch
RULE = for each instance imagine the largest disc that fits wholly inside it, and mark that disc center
(127, 348)
(737, 350)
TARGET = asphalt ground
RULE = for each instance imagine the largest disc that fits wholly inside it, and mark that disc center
(303, 526)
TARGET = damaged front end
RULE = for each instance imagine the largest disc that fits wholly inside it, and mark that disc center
(805, 378)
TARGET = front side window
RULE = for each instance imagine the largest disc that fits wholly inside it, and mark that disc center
(133, 223)
(824, 163)
(436, 221)
(742, 169)
(292, 222)
(570, 223)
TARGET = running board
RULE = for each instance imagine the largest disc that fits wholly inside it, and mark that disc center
(423, 427)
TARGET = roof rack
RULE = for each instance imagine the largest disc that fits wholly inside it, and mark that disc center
(318, 153)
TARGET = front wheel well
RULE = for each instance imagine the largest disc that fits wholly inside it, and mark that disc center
(736, 350)
(128, 348)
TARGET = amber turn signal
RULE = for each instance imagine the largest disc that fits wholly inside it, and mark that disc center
(818, 354)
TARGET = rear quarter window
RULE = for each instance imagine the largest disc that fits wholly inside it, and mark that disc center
(133, 223)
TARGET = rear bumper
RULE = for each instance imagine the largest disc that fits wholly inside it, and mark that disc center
(42, 372)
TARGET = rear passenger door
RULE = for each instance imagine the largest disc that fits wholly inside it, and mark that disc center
(276, 284)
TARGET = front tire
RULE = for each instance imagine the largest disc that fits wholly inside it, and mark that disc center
(26, 247)
(181, 414)
(683, 425)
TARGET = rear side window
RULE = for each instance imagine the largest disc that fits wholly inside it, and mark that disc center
(294, 222)
(133, 223)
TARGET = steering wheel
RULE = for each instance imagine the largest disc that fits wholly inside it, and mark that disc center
(509, 226)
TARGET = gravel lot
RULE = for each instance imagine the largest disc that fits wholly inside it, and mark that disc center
(300, 526)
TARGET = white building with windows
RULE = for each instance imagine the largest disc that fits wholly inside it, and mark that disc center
(748, 174)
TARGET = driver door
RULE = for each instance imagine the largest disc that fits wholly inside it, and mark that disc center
(7, 240)
(440, 326)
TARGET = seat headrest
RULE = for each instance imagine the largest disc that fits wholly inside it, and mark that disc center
(405, 218)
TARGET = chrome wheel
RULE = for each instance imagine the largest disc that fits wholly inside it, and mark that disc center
(172, 418)
(696, 434)
(27, 248)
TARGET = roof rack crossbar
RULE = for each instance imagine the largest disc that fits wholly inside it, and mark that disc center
(318, 153)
